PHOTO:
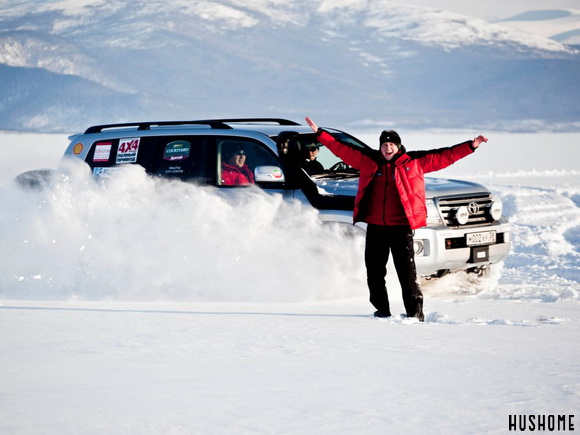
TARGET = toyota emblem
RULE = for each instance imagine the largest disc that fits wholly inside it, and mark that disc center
(473, 207)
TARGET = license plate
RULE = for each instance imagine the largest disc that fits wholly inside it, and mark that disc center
(483, 238)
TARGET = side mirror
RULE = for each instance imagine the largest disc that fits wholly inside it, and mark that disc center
(269, 174)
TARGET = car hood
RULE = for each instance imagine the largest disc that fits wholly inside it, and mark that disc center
(434, 187)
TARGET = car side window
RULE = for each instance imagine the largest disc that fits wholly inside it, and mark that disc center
(164, 156)
(108, 154)
(237, 159)
(178, 157)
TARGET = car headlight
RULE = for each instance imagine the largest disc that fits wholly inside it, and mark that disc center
(433, 217)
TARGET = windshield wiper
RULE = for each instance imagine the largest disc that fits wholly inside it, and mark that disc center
(336, 175)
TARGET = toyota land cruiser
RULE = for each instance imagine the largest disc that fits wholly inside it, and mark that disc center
(465, 228)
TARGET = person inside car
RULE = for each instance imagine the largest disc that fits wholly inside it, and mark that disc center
(310, 164)
(235, 171)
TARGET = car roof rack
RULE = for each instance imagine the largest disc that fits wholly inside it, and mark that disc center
(279, 121)
(212, 123)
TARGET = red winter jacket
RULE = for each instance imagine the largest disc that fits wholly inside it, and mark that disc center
(409, 170)
(234, 175)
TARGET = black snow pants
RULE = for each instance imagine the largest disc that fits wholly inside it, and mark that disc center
(398, 239)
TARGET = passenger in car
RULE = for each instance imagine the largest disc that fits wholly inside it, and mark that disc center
(234, 169)
(310, 164)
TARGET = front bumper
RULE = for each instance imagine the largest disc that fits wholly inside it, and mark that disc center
(441, 251)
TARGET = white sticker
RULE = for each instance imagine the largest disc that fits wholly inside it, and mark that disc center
(128, 149)
(102, 152)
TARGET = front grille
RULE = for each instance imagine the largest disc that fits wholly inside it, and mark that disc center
(478, 215)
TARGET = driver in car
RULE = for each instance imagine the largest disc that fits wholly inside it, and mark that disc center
(234, 169)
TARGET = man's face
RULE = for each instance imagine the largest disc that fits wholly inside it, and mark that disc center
(312, 153)
(237, 159)
(389, 149)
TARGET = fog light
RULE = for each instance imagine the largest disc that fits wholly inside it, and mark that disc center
(418, 247)
(462, 215)
(421, 247)
(495, 210)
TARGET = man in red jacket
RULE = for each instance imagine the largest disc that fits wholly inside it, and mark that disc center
(234, 169)
(391, 200)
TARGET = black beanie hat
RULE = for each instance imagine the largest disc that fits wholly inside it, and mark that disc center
(390, 136)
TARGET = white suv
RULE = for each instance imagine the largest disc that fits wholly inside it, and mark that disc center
(465, 229)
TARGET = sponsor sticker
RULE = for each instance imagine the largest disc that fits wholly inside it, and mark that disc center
(77, 149)
(102, 152)
(128, 149)
(267, 173)
(103, 172)
(174, 170)
(177, 150)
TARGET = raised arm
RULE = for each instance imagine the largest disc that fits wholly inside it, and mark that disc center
(478, 140)
(346, 153)
(435, 160)
(311, 123)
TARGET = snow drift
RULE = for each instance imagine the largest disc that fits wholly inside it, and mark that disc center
(137, 238)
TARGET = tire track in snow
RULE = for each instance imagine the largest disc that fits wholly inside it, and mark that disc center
(545, 229)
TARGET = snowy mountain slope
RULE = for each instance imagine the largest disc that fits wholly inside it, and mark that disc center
(562, 25)
(346, 61)
(45, 98)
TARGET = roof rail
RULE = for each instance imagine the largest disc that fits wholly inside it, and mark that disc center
(212, 123)
(279, 121)
(148, 125)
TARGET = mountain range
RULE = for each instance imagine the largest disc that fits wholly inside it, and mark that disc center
(65, 65)
(558, 24)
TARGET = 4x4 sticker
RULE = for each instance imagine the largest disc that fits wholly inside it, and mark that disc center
(178, 150)
(128, 149)
(102, 152)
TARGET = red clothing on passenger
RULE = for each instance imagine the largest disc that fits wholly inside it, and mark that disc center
(235, 175)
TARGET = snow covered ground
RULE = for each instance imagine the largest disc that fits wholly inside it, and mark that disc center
(160, 308)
